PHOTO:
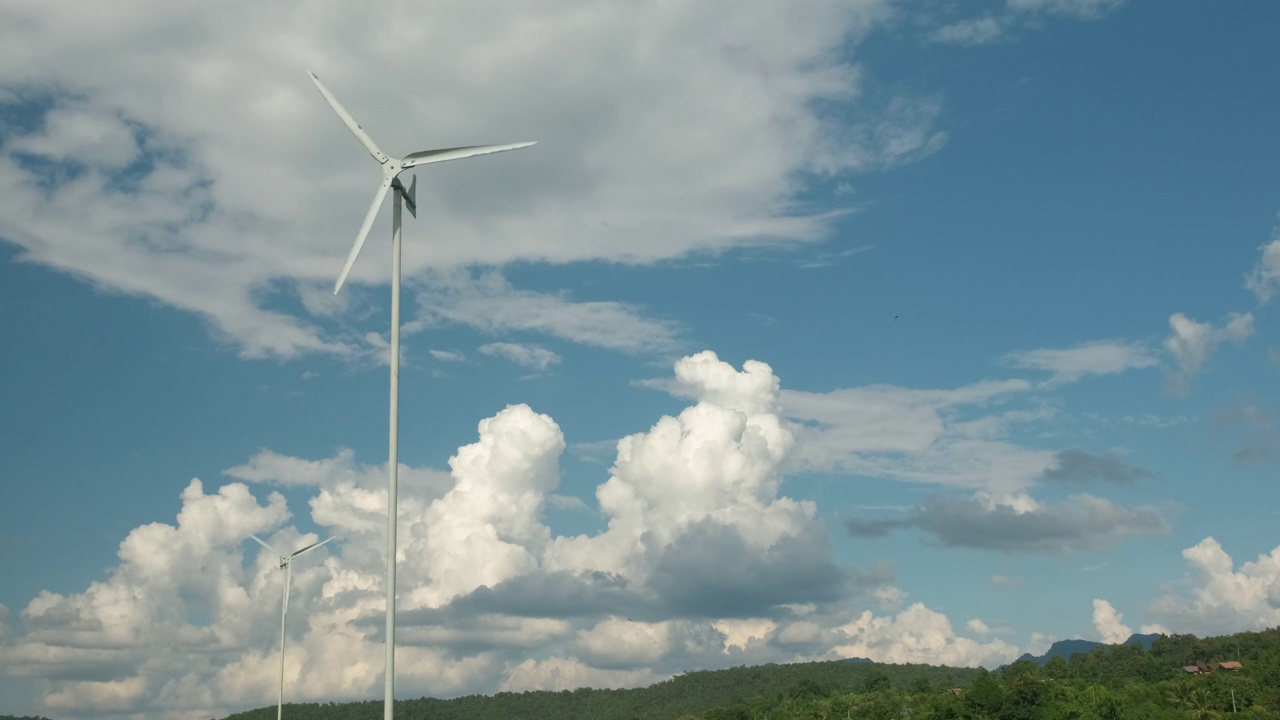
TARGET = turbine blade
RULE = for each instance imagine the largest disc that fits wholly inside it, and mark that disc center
(411, 197)
(445, 154)
(312, 546)
(287, 578)
(263, 544)
(349, 121)
(364, 233)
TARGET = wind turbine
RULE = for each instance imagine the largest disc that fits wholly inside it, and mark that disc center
(286, 564)
(391, 169)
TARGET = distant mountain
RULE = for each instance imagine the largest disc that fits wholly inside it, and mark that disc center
(856, 660)
(1067, 648)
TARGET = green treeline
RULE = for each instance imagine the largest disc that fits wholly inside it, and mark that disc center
(1116, 682)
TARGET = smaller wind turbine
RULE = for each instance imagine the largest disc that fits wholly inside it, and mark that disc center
(286, 564)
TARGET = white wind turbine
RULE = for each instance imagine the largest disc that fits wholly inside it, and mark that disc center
(391, 169)
(286, 564)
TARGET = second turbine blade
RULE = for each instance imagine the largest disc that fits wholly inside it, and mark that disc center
(445, 154)
(364, 233)
(349, 121)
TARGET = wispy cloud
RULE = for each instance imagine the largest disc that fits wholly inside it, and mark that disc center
(534, 357)
(1264, 280)
(490, 304)
(1193, 343)
(1254, 430)
(974, 31)
(1099, 357)
(1018, 14)
(1077, 466)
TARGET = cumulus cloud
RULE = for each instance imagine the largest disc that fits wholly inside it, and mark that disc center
(1218, 598)
(1108, 623)
(1077, 466)
(534, 357)
(693, 507)
(447, 355)
(171, 132)
(1018, 523)
(1264, 280)
(1193, 343)
(1100, 357)
(917, 635)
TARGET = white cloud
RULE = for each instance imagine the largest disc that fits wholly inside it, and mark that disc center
(1264, 280)
(615, 642)
(490, 304)
(1080, 9)
(1018, 14)
(1219, 598)
(978, 627)
(918, 635)
(487, 528)
(974, 31)
(1100, 357)
(341, 470)
(1039, 643)
(740, 632)
(447, 355)
(239, 186)
(707, 481)
(533, 357)
(556, 674)
(1108, 623)
(1193, 343)
(915, 435)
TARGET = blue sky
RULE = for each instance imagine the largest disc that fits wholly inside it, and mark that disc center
(1010, 265)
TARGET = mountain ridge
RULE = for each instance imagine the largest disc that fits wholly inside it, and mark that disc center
(1066, 648)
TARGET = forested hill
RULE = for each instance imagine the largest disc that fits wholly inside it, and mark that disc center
(694, 694)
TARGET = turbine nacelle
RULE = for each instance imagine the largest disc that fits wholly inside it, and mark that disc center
(391, 169)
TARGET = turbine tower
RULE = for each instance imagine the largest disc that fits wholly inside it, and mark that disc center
(391, 169)
(286, 564)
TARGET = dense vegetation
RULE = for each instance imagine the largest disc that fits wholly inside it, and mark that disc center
(1116, 682)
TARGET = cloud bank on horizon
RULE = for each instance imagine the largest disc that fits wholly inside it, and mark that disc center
(702, 563)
